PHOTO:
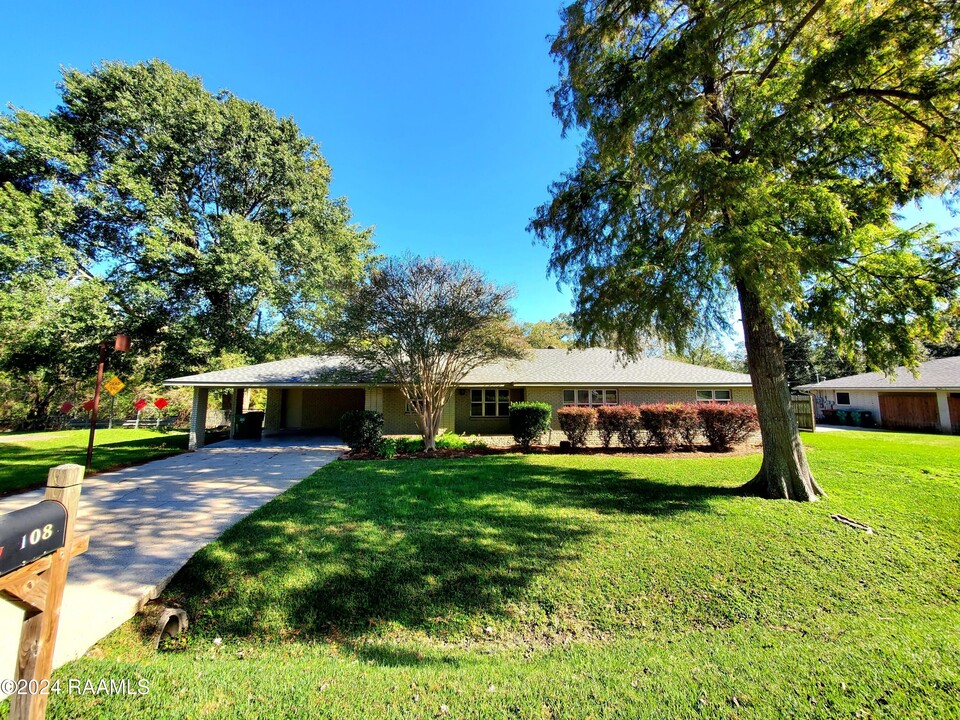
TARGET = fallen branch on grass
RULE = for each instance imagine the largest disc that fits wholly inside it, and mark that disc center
(853, 523)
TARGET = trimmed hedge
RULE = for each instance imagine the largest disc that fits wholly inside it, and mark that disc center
(607, 420)
(528, 421)
(726, 424)
(362, 429)
(622, 421)
(576, 422)
(669, 426)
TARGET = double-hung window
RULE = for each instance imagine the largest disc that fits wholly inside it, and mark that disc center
(591, 398)
(490, 402)
(720, 396)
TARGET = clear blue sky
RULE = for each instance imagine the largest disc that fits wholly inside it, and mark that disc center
(435, 116)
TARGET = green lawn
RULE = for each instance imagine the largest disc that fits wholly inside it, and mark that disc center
(24, 463)
(555, 586)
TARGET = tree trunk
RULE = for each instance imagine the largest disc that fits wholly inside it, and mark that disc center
(784, 473)
(429, 436)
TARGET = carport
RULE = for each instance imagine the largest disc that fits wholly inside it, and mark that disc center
(304, 395)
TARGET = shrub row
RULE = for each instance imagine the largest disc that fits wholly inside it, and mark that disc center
(391, 447)
(662, 425)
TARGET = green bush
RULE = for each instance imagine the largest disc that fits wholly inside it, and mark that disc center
(576, 422)
(386, 448)
(452, 441)
(361, 429)
(528, 421)
(409, 445)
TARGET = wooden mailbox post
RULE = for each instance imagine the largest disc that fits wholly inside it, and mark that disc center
(36, 544)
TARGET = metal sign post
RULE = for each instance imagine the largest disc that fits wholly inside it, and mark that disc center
(36, 545)
(120, 344)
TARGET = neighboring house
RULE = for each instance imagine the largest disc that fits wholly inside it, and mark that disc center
(311, 393)
(930, 401)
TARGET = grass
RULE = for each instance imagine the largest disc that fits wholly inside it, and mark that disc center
(24, 463)
(556, 586)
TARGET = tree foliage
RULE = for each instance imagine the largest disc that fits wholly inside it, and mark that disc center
(556, 333)
(425, 323)
(204, 221)
(809, 358)
(758, 151)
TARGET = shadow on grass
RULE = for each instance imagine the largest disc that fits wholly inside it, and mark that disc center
(359, 550)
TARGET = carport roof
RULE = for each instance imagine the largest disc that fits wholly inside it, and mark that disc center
(592, 366)
(305, 370)
(943, 374)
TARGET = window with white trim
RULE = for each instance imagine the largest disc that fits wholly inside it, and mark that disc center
(490, 402)
(720, 396)
(843, 398)
(591, 398)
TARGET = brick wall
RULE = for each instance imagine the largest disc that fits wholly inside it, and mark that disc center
(398, 422)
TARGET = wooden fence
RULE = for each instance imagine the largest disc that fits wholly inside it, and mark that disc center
(803, 410)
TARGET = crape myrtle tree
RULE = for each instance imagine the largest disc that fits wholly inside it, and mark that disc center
(758, 151)
(204, 220)
(425, 323)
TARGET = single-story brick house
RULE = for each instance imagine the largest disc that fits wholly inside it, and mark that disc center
(930, 401)
(309, 394)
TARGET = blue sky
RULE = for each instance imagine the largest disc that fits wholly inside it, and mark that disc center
(435, 116)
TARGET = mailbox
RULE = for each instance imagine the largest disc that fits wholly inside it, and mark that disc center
(30, 533)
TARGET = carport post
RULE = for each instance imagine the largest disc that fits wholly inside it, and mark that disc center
(198, 418)
(943, 408)
(239, 400)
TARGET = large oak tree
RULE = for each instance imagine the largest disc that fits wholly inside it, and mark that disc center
(758, 151)
(204, 221)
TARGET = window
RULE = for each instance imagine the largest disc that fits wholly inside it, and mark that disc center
(720, 396)
(490, 402)
(843, 398)
(590, 398)
(408, 408)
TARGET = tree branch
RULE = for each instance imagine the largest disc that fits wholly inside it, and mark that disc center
(775, 60)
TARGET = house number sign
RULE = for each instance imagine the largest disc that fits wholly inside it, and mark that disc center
(30, 533)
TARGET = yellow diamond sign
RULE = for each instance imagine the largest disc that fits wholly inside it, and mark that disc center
(113, 385)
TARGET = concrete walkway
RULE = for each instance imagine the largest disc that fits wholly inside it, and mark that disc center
(145, 522)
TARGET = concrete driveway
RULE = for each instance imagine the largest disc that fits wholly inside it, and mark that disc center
(145, 522)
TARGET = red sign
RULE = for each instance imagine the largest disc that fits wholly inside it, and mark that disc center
(160, 403)
(88, 405)
(66, 407)
(140, 404)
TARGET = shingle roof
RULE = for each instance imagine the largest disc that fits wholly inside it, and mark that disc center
(597, 366)
(943, 374)
(593, 366)
(306, 370)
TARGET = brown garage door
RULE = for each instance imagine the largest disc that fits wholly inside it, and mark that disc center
(910, 411)
(953, 403)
